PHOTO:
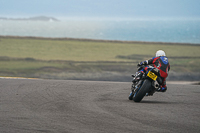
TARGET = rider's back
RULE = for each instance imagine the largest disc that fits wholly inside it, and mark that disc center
(162, 64)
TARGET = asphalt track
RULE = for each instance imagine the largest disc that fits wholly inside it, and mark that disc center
(64, 106)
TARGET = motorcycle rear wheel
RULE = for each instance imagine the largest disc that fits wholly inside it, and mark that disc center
(143, 90)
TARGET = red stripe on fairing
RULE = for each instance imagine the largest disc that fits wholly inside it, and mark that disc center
(146, 69)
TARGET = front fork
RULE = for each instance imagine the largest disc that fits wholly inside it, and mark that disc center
(136, 86)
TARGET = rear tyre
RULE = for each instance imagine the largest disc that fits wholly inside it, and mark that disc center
(142, 92)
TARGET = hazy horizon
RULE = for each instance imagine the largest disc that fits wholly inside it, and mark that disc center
(143, 20)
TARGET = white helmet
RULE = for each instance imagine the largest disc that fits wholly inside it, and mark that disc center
(160, 53)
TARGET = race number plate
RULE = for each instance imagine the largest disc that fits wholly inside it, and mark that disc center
(152, 75)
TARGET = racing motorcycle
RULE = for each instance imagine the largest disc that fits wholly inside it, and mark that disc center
(146, 85)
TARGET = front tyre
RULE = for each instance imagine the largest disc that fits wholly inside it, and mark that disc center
(142, 92)
(131, 96)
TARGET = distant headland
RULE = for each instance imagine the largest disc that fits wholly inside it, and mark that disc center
(37, 18)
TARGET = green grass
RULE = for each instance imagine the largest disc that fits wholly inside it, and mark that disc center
(44, 49)
(25, 56)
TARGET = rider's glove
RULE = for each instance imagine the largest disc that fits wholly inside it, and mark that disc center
(142, 63)
(139, 64)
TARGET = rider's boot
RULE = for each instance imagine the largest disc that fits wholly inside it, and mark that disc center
(162, 89)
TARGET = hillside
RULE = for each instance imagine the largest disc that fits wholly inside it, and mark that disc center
(37, 18)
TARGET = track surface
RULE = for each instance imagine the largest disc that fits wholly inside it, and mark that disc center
(58, 106)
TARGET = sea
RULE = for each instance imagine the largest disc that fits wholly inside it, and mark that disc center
(146, 30)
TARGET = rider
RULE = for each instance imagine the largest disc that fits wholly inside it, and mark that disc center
(161, 63)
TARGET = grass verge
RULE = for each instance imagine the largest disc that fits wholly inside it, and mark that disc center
(62, 58)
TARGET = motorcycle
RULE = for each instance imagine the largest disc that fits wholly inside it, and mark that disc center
(147, 85)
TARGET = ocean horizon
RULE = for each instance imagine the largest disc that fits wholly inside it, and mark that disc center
(166, 30)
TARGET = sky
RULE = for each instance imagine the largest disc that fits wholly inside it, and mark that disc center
(101, 8)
